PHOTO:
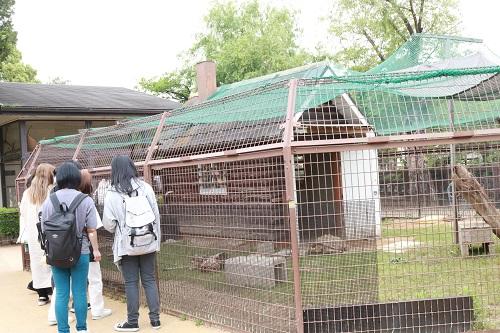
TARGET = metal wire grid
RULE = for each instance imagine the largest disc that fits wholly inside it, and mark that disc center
(362, 242)
(337, 219)
(400, 248)
(132, 138)
(329, 109)
(111, 277)
(51, 153)
(225, 256)
(246, 120)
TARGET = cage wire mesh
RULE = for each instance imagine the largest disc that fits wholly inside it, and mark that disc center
(246, 120)
(224, 225)
(132, 138)
(389, 237)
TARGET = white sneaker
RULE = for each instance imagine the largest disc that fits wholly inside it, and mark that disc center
(43, 300)
(105, 313)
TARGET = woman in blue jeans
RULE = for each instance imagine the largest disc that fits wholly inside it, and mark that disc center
(68, 180)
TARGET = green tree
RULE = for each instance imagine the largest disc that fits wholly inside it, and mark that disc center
(370, 30)
(174, 85)
(11, 66)
(245, 41)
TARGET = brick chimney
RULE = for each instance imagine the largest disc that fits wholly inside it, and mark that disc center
(205, 79)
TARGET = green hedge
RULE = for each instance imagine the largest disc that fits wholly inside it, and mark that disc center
(9, 222)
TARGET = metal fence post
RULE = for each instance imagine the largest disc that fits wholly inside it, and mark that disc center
(292, 204)
(454, 202)
(80, 143)
(152, 148)
(148, 178)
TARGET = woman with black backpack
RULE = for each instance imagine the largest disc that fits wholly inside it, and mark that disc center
(131, 213)
(69, 226)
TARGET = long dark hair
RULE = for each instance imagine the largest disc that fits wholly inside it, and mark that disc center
(122, 172)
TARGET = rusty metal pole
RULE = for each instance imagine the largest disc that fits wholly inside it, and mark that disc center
(292, 204)
(454, 202)
(80, 143)
(152, 148)
(148, 178)
(30, 164)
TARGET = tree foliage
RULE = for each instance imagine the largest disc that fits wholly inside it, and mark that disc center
(370, 30)
(173, 85)
(11, 66)
(245, 41)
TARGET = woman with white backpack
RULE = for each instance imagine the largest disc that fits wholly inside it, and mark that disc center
(131, 213)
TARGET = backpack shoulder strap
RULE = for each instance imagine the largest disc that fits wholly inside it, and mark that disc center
(76, 202)
(55, 202)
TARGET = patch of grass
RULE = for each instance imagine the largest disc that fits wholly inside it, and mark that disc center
(175, 265)
(436, 269)
(199, 322)
(326, 279)
(343, 278)
(432, 269)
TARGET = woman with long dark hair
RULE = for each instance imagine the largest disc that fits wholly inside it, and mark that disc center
(131, 213)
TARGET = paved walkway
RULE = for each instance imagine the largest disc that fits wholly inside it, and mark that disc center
(21, 314)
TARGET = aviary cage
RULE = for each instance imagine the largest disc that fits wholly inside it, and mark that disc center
(313, 201)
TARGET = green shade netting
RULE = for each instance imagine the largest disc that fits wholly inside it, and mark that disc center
(320, 69)
(424, 49)
(408, 92)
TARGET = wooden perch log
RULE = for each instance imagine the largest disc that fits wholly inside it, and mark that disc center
(475, 194)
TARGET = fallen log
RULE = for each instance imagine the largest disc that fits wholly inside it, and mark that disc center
(469, 188)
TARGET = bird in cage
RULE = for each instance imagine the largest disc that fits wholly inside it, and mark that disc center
(209, 263)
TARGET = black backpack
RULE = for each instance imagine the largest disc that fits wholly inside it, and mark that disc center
(60, 235)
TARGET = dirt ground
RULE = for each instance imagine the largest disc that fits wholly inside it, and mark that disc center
(20, 313)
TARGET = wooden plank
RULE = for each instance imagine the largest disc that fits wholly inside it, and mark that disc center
(474, 193)
(442, 315)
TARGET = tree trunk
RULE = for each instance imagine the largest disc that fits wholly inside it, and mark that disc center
(474, 193)
(421, 185)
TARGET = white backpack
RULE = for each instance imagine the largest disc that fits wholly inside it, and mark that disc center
(139, 230)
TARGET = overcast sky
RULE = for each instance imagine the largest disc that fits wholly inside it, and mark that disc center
(116, 42)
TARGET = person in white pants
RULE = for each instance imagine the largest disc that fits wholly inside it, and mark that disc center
(96, 299)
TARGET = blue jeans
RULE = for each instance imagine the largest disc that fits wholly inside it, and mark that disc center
(75, 276)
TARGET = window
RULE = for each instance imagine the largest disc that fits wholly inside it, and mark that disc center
(212, 179)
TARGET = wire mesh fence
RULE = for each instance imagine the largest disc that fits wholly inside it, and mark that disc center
(354, 204)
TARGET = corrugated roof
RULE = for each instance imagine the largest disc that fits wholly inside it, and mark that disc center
(27, 96)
